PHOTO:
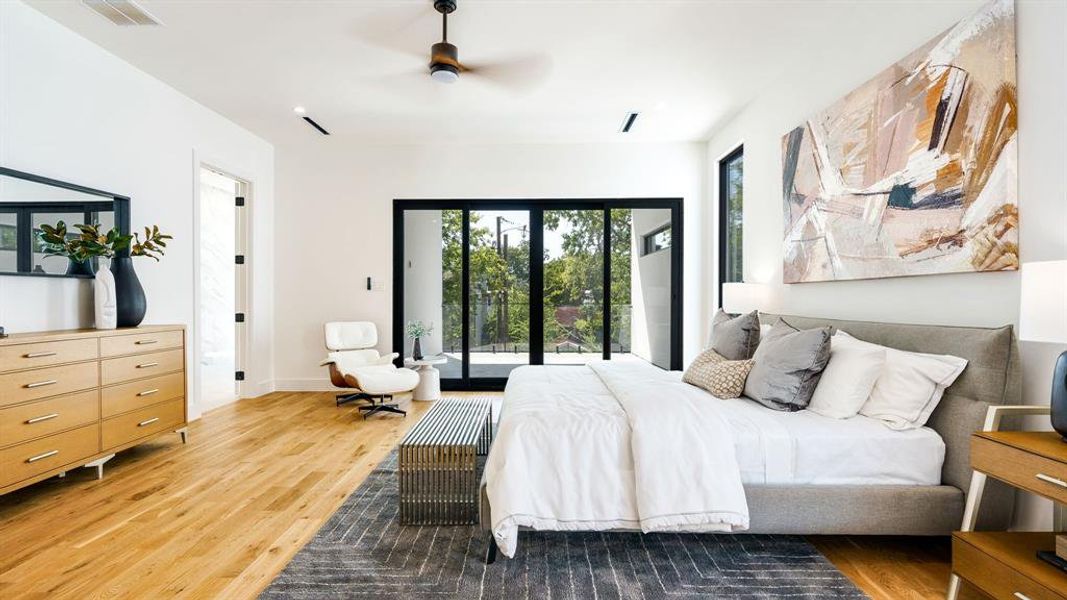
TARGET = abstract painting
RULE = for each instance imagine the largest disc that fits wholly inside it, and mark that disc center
(913, 172)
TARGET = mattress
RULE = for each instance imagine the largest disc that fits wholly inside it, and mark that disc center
(772, 447)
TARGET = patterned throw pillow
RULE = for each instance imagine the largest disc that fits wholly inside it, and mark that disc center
(722, 378)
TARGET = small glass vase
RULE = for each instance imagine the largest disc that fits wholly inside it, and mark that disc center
(416, 350)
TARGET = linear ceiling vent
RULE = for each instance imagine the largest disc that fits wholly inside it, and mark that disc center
(122, 12)
(628, 124)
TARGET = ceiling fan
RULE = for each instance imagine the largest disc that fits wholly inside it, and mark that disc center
(522, 72)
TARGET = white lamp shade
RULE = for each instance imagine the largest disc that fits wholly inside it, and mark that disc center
(743, 297)
(1043, 302)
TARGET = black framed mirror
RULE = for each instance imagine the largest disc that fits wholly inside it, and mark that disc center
(27, 201)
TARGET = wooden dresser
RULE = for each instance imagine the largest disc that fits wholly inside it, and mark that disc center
(75, 398)
(1005, 564)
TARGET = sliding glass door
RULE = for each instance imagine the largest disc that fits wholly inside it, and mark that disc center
(554, 282)
(499, 323)
(573, 311)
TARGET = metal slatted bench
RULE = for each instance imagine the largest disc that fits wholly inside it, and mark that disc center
(439, 463)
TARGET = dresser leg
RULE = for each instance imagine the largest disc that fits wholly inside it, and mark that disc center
(184, 432)
(99, 464)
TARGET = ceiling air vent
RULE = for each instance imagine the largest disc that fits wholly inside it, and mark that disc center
(122, 12)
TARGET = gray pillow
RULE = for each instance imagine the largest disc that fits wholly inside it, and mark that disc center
(734, 337)
(787, 366)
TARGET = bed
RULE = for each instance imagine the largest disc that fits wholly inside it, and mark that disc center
(596, 448)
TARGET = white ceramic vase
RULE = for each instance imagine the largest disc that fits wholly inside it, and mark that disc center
(105, 304)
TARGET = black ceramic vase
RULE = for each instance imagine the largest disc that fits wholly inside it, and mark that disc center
(128, 293)
(84, 267)
(1059, 396)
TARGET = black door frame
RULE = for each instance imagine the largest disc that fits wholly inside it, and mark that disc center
(536, 208)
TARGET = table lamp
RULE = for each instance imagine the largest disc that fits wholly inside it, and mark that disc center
(741, 298)
(1043, 318)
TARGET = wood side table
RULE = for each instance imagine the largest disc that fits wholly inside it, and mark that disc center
(1004, 564)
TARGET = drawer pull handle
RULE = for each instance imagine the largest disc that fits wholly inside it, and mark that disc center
(148, 422)
(40, 384)
(148, 392)
(147, 365)
(1052, 480)
(145, 342)
(41, 418)
(33, 459)
(38, 354)
(1021, 596)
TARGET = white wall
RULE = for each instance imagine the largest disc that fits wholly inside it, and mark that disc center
(650, 290)
(981, 299)
(345, 191)
(423, 270)
(72, 111)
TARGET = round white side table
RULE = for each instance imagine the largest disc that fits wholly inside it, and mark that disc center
(429, 387)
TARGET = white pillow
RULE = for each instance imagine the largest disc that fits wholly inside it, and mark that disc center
(910, 387)
(849, 377)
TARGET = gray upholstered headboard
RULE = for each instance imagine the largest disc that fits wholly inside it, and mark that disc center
(992, 377)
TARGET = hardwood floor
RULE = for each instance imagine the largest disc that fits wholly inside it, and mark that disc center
(219, 517)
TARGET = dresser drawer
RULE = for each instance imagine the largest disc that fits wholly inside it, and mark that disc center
(33, 458)
(45, 417)
(44, 354)
(120, 345)
(1022, 469)
(999, 579)
(143, 422)
(128, 368)
(23, 386)
(125, 397)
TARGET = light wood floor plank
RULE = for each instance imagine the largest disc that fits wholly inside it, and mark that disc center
(221, 516)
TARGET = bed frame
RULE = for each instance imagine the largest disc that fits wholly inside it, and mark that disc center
(992, 377)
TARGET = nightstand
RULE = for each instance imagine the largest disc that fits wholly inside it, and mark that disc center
(1004, 564)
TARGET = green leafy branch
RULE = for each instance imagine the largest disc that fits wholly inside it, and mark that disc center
(89, 243)
(153, 245)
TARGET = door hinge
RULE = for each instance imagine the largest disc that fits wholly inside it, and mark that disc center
(240, 200)
(239, 259)
(240, 317)
(240, 376)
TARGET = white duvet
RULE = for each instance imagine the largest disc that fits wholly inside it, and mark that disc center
(630, 448)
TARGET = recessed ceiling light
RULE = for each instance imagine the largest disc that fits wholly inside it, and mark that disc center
(300, 110)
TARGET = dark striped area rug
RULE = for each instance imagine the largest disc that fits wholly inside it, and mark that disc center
(363, 552)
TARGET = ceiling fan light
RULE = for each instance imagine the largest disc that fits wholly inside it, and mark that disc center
(444, 73)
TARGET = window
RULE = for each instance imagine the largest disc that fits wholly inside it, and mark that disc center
(657, 240)
(731, 202)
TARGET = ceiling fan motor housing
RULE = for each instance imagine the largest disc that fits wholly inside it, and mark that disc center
(444, 57)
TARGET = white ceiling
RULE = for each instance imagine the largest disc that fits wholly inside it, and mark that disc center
(686, 65)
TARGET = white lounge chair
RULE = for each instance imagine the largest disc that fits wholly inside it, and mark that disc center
(356, 366)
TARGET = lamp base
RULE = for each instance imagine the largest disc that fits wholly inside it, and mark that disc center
(1059, 396)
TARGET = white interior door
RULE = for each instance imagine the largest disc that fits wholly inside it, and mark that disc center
(218, 289)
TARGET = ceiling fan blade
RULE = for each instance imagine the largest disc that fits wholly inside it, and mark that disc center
(518, 74)
(399, 29)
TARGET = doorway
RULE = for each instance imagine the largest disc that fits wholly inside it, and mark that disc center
(222, 284)
(531, 282)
